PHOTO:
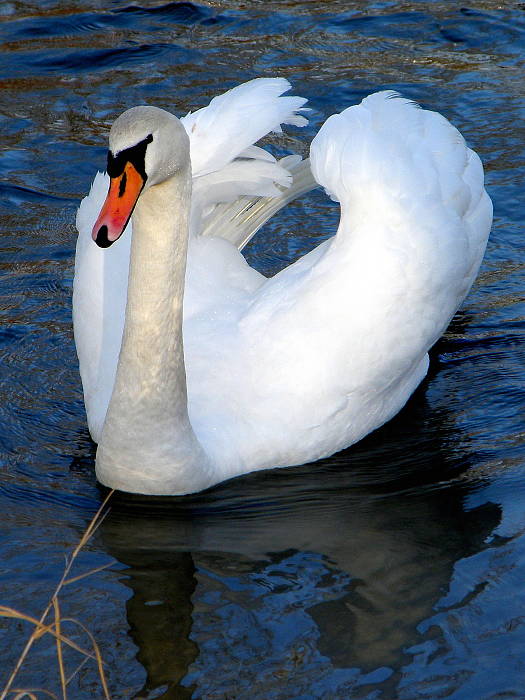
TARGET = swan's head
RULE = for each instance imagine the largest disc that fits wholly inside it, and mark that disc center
(147, 145)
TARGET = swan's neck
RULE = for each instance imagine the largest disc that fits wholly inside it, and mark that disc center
(147, 444)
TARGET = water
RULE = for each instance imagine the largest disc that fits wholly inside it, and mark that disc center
(393, 570)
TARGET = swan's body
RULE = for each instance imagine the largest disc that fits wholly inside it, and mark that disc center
(285, 370)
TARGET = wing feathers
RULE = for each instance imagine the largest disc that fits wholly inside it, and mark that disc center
(240, 220)
(234, 121)
(227, 165)
(390, 146)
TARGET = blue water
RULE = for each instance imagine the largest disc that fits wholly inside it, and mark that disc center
(393, 570)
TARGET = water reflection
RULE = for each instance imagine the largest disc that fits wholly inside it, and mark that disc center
(307, 575)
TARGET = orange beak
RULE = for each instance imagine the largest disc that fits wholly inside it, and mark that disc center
(116, 211)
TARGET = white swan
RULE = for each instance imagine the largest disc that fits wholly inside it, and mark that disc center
(278, 371)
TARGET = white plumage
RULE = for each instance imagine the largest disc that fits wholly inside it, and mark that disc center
(285, 370)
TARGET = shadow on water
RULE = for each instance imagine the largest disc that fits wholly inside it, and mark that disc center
(343, 559)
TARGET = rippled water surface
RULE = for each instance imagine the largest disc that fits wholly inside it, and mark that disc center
(395, 569)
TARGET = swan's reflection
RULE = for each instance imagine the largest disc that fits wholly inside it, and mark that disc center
(159, 616)
(297, 573)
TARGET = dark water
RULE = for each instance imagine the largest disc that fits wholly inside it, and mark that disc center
(395, 569)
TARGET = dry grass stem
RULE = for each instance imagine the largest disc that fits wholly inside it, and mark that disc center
(75, 579)
(60, 657)
(98, 655)
(40, 630)
(55, 629)
(30, 693)
(77, 670)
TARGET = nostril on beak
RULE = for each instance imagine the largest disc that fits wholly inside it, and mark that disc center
(102, 239)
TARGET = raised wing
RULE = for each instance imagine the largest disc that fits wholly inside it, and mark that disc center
(229, 126)
(229, 170)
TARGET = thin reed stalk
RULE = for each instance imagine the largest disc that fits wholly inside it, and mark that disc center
(23, 693)
(60, 657)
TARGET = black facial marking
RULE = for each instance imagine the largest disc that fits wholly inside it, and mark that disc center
(102, 237)
(122, 185)
(134, 154)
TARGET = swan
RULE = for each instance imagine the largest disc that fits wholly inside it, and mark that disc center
(195, 367)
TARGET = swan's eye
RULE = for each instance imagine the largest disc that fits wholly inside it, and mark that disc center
(135, 155)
